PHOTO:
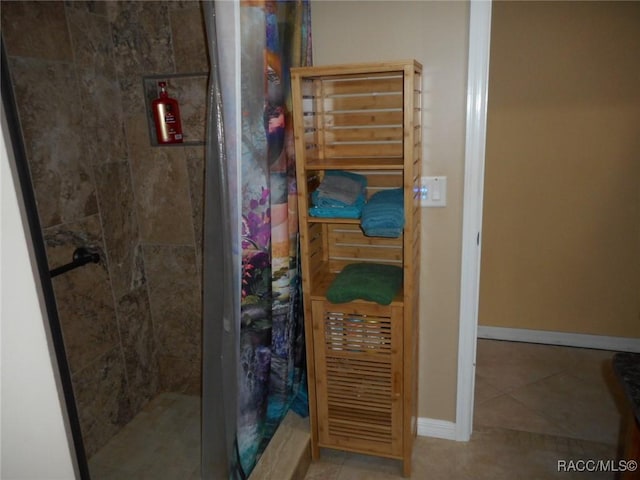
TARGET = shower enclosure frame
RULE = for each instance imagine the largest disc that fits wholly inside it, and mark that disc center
(44, 277)
(214, 460)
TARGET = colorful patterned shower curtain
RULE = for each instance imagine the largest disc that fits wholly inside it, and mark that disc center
(274, 36)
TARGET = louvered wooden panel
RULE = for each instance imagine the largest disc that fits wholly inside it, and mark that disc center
(364, 150)
(358, 117)
(385, 133)
(316, 253)
(363, 119)
(359, 399)
(383, 179)
(360, 355)
(370, 101)
(368, 84)
(362, 334)
(347, 244)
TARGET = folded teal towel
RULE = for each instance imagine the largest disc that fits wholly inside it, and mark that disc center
(340, 195)
(353, 211)
(383, 214)
(340, 189)
(367, 281)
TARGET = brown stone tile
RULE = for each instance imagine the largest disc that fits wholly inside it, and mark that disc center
(195, 168)
(138, 346)
(142, 46)
(138, 137)
(103, 125)
(36, 29)
(177, 313)
(91, 39)
(181, 373)
(121, 234)
(106, 471)
(83, 296)
(51, 120)
(101, 396)
(97, 7)
(179, 4)
(191, 92)
(189, 38)
(161, 187)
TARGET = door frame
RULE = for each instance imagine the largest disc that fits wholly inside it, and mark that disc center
(475, 141)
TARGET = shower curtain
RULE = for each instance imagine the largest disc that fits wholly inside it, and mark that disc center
(257, 42)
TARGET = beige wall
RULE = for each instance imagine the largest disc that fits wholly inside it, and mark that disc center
(435, 34)
(35, 443)
(561, 234)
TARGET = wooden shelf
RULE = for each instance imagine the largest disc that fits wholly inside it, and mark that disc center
(355, 164)
(362, 356)
(346, 221)
(322, 282)
(361, 69)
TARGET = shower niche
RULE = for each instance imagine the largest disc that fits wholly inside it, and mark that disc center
(190, 90)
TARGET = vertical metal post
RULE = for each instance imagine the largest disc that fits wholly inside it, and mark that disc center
(219, 369)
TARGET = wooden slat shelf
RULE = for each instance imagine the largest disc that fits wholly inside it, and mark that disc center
(355, 164)
(322, 282)
(346, 221)
(367, 69)
(362, 357)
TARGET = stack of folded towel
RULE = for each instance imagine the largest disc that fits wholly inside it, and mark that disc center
(341, 194)
(367, 281)
(383, 215)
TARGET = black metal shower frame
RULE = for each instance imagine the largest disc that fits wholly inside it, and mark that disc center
(34, 230)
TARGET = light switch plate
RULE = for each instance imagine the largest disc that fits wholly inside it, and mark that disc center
(433, 191)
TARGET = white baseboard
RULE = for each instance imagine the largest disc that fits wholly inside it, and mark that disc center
(431, 427)
(617, 344)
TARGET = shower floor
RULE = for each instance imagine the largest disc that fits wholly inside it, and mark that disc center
(161, 443)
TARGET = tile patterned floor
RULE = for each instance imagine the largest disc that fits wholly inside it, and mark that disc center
(568, 392)
(535, 405)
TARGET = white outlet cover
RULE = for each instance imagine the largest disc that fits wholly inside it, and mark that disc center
(433, 191)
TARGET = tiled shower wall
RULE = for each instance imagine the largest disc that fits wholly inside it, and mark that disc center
(132, 323)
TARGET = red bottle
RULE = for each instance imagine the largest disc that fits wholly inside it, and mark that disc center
(166, 115)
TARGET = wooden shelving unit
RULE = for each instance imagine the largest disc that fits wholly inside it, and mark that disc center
(362, 357)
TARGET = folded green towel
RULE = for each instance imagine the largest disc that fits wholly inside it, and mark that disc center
(366, 281)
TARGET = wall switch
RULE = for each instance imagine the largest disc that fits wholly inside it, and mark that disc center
(433, 192)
